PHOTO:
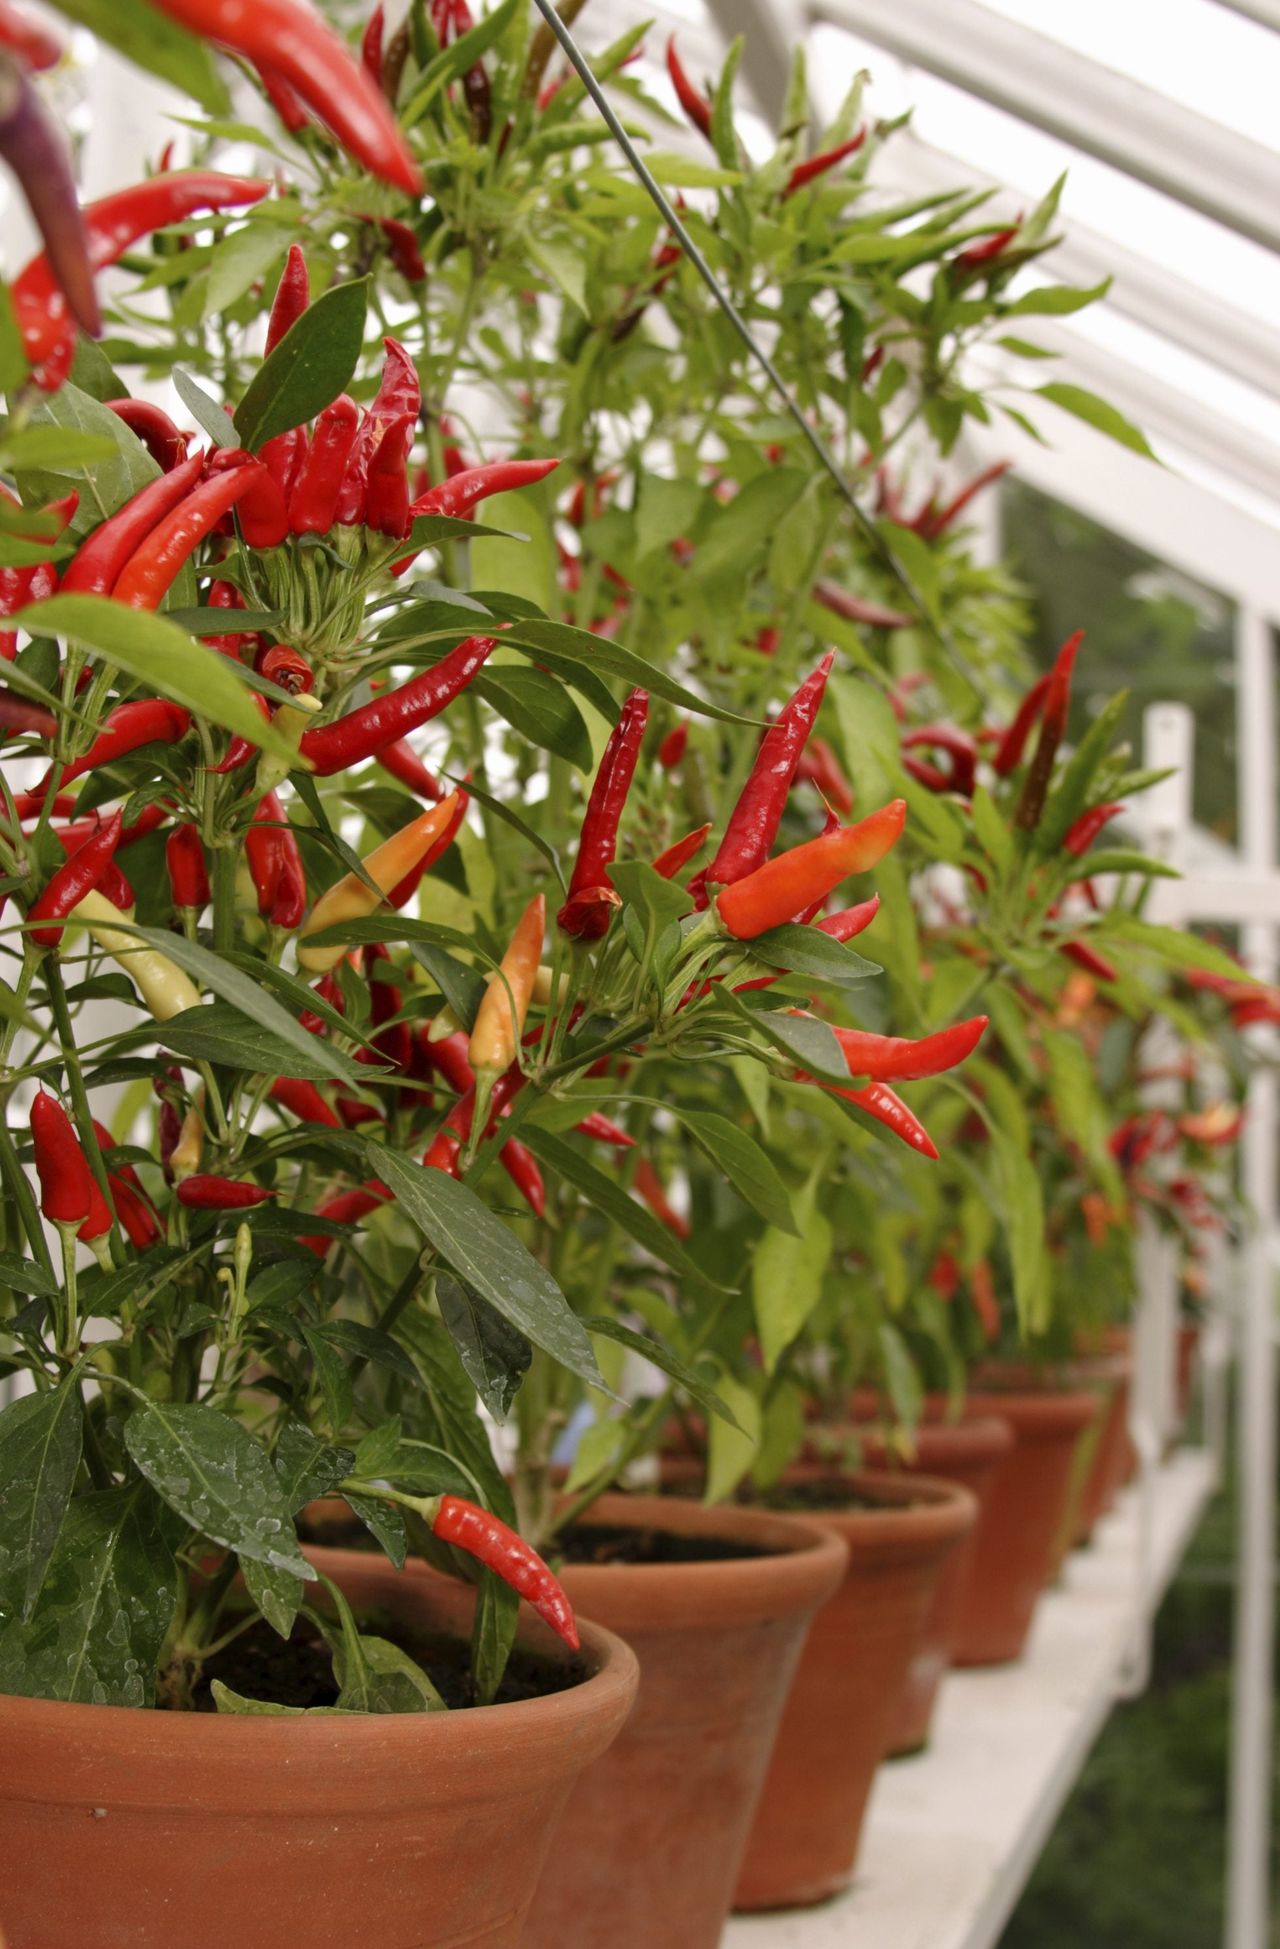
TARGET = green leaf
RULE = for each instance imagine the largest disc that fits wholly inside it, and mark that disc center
(161, 656)
(484, 1252)
(902, 1377)
(40, 1437)
(104, 1609)
(808, 951)
(311, 365)
(455, 60)
(152, 41)
(207, 413)
(13, 360)
(609, 1197)
(333, 1376)
(743, 1162)
(812, 1043)
(1099, 413)
(1054, 300)
(218, 1033)
(277, 1595)
(786, 1276)
(57, 447)
(235, 1702)
(103, 485)
(1071, 793)
(308, 1467)
(651, 1348)
(383, 1521)
(723, 136)
(1173, 946)
(1116, 859)
(239, 259)
(741, 529)
(218, 1479)
(561, 646)
(367, 1343)
(539, 708)
(658, 901)
(731, 1447)
(494, 1355)
(25, 1276)
(462, 987)
(564, 266)
(252, 1001)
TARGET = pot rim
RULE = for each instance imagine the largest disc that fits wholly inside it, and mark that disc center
(979, 1437)
(912, 1511)
(127, 1756)
(1039, 1413)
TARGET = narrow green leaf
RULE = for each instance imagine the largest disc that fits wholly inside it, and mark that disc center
(310, 366)
(152, 41)
(608, 1196)
(206, 412)
(650, 1347)
(494, 1355)
(40, 1437)
(1099, 413)
(808, 951)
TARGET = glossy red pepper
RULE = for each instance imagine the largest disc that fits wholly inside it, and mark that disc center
(241, 750)
(304, 1100)
(1057, 699)
(293, 295)
(1086, 828)
(403, 249)
(313, 501)
(28, 38)
(34, 581)
(649, 1187)
(754, 821)
(672, 748)
(880, 1102)
(670, 862)
(851, 921)
(371, 46)
(66, 1182)
(493, 1544)
(403, 763)
(97, 562)
(785, 886)
(111, 225)
(205, 1192)
(367, 731)
(346, 1208)
(155, 429)
(156, 563)
(896, 1058)
(590, 902)
(398, 395)
(283, 458)
(695, 104)
(284, 98)
(286, 667)
(78, 875)
(188, 875)
(386, 508)
(1008, 753)
(464, 491)
(819, 766)
(143, 720)
(298, 45)
(808, 171)
(960, 747)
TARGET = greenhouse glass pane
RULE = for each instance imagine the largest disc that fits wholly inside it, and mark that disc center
(1149, 629)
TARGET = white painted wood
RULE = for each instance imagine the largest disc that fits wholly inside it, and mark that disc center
(953, 1834)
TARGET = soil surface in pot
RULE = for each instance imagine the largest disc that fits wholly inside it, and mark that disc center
(619, 1543)
(828, 1496)
(298, 1671)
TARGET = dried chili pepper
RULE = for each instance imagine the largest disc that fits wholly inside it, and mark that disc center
(806, 172)
(28, 38)
(111, 225)
(695, 104)
(367, 731)
(386, 866)
(1085, 830)
(1057, 699)
(500, 1018)
(66, 1182)
(590, 901)
(155, 429)
(481, 1535)
(754, 821)
(785, 886)
(155, 564)
(35, 149)
(143, 720)
(670, 862)
(97, 562)
(203, 1191)
(77, 875)
(896, 1058)
(297, 44)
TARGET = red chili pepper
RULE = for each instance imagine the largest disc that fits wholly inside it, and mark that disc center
(859, 609)
(805, 172)
(155, 564)
(366, 732)
(144, 720)
(66, 1182)
(387, 496)
(405, 889)
(300, 46)
(205, 1192)
(852, 921)
(819, 766)
(695, 104)
(589, 904)
(404, 765)
(304, 1100)
(672, 748)
(959, 746)
(293, 295)
(32, 583)
(18, 716)
(521, 1166)
(157, 432)
(35, 149)
(188, 876)
(403, 249)
(880, 1102)
(241, 750)
(978, 256)
(78, 875)
(1090, 960)
(287, 668)
(275, 864)
(1087, 827)
(897, 1058)
(492, 1543)
(371, 46)
(283, 458)
(28, 38)
(284, 98)
(785, 886)
(313, 503)
(98, 561)
(648, 1186)
(137, 1220)
(463, 491)
(679, 855)
(261, 511)
(1056, 701)
(1008, 753)
(347, 1208)
(111, 225)
(754, 821)
(935, 521)
(398, 394)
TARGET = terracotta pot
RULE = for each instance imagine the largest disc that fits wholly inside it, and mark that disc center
(1015, 1548)
(970, 1453)
(141, 1830)
(1188, 1348)
(842, 1709)
(1108, 1458)
(646, 1854)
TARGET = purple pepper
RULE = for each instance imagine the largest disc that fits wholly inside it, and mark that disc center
(32, 145)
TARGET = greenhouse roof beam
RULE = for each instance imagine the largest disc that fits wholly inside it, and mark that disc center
(1200, 163)
(1265, 12)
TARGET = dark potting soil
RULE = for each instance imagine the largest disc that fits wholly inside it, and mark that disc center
(299, 1671)
(621, 1543)
(343, 1533)
(828, 1497)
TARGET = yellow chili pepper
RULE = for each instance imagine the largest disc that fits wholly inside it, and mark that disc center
(386, 866)
(184, 1161)
(163, 986)
(500, 1017)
